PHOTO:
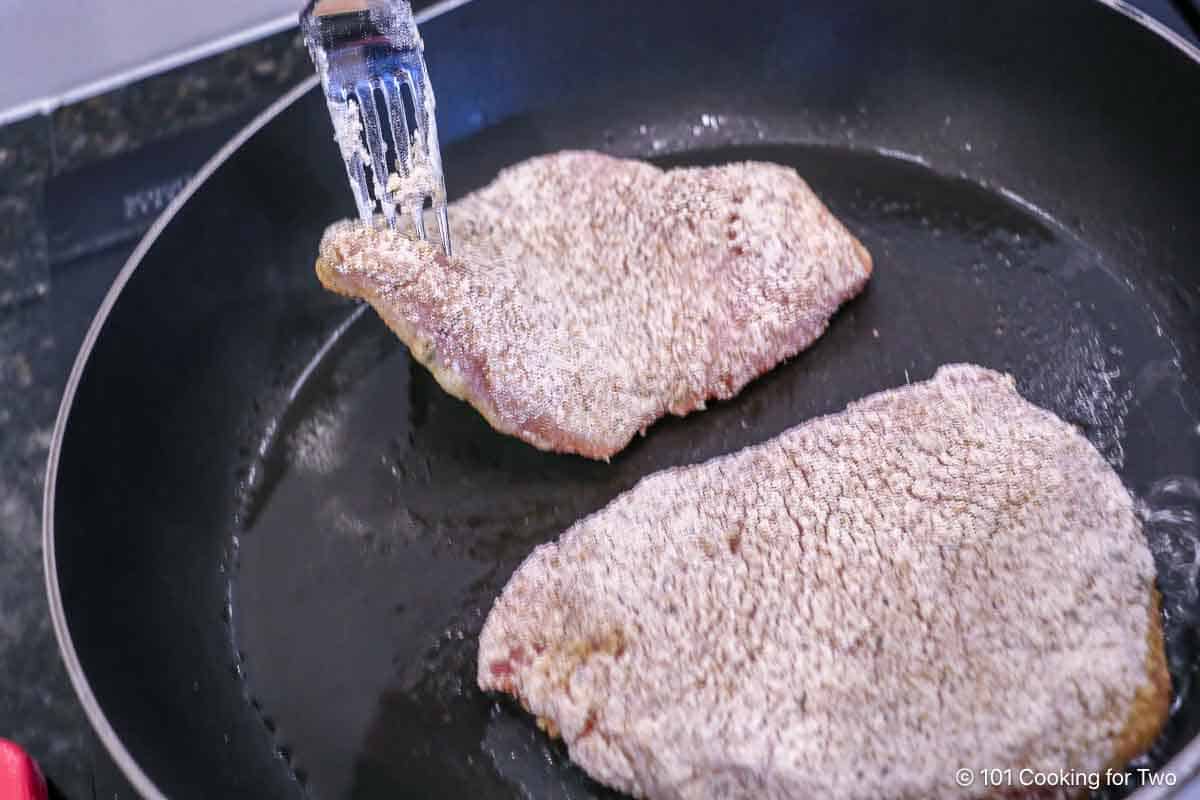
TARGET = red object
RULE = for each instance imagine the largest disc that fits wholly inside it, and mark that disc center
(20, 778)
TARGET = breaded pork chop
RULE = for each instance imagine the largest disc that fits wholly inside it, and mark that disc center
(941, 576)
(589, 295)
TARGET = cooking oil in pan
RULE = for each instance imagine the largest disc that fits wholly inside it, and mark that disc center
(382, 516)
(1170, 513)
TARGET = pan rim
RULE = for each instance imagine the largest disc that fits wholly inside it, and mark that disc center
(1184, 763)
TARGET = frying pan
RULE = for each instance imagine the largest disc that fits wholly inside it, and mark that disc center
(271, 539)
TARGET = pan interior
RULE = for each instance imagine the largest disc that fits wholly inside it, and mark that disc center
(384, 516)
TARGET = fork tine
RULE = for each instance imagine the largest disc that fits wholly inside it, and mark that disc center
(378, 149)
(421, 133)
(393, 98)
(419, 221)
(352, 158)
(443, 218)
(418, 97)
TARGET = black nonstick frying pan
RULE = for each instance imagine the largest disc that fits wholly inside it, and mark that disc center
(271, 538)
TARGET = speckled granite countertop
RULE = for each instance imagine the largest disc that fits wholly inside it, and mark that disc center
(47, 300)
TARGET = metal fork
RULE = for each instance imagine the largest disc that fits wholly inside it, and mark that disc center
(371, 60)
